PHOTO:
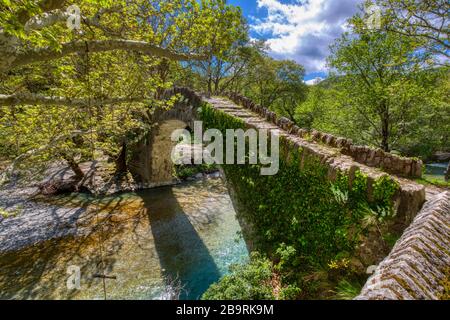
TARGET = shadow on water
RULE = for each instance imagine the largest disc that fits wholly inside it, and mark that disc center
(40, 271)
(183, 255)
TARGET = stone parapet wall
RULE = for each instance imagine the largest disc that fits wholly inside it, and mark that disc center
(420, 261)
(409, 198)
(378, 158)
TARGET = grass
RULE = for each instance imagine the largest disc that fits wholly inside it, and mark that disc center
(346, 290)
(428, 180)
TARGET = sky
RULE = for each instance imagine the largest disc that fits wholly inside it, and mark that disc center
(300, 30)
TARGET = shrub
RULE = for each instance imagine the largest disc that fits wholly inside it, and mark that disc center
(249, 281)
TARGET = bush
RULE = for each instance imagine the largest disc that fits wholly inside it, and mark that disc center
(291, 292)
(249, 281)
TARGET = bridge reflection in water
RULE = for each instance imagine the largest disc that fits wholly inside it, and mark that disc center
(183, 256)
(150, 239)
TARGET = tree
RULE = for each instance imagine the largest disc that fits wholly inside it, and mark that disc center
(98, 85)
(384, 81)
(276, 84)
(225, 47)
(33, 32)
(293, 90)
(425, 21)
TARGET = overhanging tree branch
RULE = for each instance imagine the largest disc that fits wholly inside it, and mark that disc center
(46, 19)
(36, 99)
(44, 5)
(48, 54)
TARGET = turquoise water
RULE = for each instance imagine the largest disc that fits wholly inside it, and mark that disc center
(164, 243)
(435, 170)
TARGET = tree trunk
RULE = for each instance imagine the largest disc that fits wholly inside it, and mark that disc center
(447, 173)
(216, 85)
(79, 174)
(209, 86)
(385, 129)
(121, 161)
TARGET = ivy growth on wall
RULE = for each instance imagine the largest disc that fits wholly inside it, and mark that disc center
(318, 219)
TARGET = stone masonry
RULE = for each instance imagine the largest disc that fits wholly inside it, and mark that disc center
(391, 163)
(419, 261)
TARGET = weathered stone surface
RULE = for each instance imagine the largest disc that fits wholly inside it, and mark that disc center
(285, 123)
(417, 264)
(340, 142)
(441, 156)
(302, 133)
(294, 130)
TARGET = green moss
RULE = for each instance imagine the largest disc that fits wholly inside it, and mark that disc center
(346, 290)
(8, 214)
(445, 295)
(186, 171)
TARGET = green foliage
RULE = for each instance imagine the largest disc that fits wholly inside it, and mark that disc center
(291, 292)
(433, 181)
(346, 290)
(274, 84)
(249, 281)
(38, 135)
(387, 89)
(186, 171)
(412, 18)
(287, 256)
(391, 238)
(384, 190)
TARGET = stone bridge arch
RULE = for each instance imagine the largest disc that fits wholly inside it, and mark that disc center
(150, 162)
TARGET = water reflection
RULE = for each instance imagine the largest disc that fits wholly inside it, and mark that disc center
(149, 238)
(182, 253)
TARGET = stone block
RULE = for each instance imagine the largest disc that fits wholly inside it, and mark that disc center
(294, 129)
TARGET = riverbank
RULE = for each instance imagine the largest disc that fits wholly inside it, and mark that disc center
(28, 218)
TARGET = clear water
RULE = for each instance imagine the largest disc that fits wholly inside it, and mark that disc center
(435, 170)
(152, 241)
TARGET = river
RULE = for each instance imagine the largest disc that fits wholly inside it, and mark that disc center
(436, 170)
(150, 244)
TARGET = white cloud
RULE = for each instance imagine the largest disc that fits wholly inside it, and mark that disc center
(303, 30)
(314, 81)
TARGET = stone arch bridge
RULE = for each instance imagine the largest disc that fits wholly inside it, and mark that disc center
(420, 260)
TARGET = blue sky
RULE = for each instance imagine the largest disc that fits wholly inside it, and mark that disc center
(300, 30)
